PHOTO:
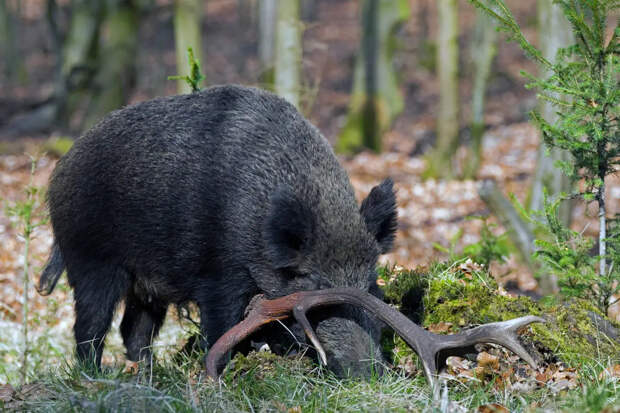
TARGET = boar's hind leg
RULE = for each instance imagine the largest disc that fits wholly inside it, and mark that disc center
(97, 292)
(140, 325)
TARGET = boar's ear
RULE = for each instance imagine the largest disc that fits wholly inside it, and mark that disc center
(288, 230)
(379, 212)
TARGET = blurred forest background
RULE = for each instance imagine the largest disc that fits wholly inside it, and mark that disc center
(424, 91)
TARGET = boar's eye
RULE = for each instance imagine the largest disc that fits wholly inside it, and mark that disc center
(291, 273)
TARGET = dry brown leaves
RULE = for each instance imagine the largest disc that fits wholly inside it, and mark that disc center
(434, 211)
(610, 372)
(507, 371)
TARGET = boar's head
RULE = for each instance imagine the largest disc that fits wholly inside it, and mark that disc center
(322, 240)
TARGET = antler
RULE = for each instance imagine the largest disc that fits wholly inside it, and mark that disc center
(433, 349)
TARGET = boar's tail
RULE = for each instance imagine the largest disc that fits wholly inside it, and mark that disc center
(52, 271)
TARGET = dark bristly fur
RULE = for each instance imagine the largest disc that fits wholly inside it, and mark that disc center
(211, 197)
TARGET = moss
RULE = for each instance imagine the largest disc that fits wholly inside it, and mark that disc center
(405, 289)
(261, 365)
(466, 298)
(58, 146)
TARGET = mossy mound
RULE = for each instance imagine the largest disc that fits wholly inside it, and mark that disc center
(460, 296)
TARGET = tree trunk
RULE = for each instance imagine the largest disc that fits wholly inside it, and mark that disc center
(554, 32)
(602, 232)
(117, 72)
(519, 232)
(187, 33)
(482, 52)
(247, 13)
(308, 10)
(76, 68)
(288, 52)
(79, 58)
(440, 161)
(8, 46)
(51, 14)
(376, 99)
(371, 135)
(267, 21)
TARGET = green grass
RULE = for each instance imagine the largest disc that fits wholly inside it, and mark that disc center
(263, 382)
(268, 383)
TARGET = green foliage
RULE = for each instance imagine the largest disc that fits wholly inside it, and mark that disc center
(195, 76)
(566, 254)
(490, 248)
(29, 214)
(57, 146)
(584, 86)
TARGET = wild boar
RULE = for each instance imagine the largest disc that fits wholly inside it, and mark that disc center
(212, 197)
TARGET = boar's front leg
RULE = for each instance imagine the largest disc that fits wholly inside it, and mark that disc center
(140, 325)
(222, 302)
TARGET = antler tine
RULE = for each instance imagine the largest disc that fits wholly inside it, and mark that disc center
(299, 312)
(503, 333)
(433, 349)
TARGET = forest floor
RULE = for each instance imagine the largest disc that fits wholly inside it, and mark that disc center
(431, 213)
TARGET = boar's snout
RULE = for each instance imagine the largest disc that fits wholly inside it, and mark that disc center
(352, 343)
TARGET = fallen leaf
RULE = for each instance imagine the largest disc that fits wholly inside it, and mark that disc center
(441, 327)
(543, 377)
(493, 408)
(456, 363)
(523, 386)
(488, 360)
(131, 367)
(610, 372)
(479, 371)
(563, 379)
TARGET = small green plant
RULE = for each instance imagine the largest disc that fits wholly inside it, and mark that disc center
(584, 86)
(566, 254)
(491, 247)
(450, 249)
(195, 76)
(29, 214)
